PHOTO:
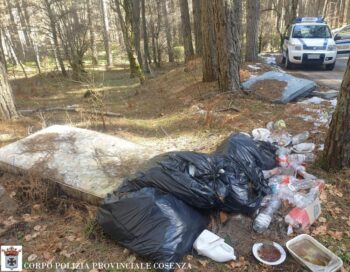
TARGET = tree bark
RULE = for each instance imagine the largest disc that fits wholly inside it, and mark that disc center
(336, 154)
(106, 36)
(186, 30)
(147, 57)
(136, 29)
(209, 54)
(128, 37)
(169, 38)
(94, 53)
(227, 26)
(197, 29)
(347, 11)
(7, 105)
(52, 19)
(252, 31)
(2, 52)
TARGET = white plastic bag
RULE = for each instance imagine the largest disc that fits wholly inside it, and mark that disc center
(212, 246)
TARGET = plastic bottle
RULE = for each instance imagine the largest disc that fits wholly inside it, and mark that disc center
(297, 199)
(300, 138)
(301, 158)
(269, 173)
(302, 184)
(263, 220)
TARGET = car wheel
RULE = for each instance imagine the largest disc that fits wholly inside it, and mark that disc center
(283, 61)
(287, 63)
(330, 67)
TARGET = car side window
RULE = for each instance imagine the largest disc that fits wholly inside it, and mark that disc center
(345, 33)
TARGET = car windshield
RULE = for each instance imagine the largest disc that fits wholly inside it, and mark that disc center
(311, 31)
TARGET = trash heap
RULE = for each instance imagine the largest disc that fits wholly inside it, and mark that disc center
(159, 211)
(289, 181)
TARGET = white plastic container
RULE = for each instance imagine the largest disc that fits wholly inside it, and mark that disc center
(214, 247)
(312, 254)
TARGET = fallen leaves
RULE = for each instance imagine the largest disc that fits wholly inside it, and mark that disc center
(322, 219)
(321, 230)
(240, 263)
(9, 221)
(337, 235)
(32, 257)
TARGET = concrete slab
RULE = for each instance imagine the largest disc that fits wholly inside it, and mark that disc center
(87, 164)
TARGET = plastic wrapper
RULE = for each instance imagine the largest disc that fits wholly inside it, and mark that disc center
(152, 224)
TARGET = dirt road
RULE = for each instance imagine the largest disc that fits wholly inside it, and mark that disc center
(331, 79)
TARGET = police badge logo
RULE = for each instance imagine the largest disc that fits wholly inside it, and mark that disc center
(11, 258)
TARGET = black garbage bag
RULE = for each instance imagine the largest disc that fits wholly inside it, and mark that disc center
(201, 180)
(250, 156)
(190, 176)
(152, 224)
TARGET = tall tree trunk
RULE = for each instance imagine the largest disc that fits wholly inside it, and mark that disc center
(106, 35)
(153, 38)
(196, 9)
(136, 29)
(7, 105)
(2, 51)
(128, 37)
(52, 19)
(169, 39)
(227, 26)
(337, 144)
(186, 30)
(325, 8)
(94, 53)
(159, 26)
(147, 57)
(252, 31)
(209, 54)
(347, 11)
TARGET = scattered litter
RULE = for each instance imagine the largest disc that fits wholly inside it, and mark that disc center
(312, 254)
(268, 59)
(304, 148)
(212, 246)
(296, 87)
(261, 134)
(302, 218)
(269, 253)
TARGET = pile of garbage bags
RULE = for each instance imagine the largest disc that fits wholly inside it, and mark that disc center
(159, 211)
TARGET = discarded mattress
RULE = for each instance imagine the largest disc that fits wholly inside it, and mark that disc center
(86, 163)
(296, 87)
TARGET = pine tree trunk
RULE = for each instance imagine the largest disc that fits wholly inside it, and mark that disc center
(94, 54)
(186, 30)
(7, 105)
(227, 26)
(252, 31)
(147, 58)
(52, 20)
(196, 8)
(2, 52)
(106, 37)
(169, 39)
(209, 54)
(136, 29)
(336, 154)
(347, 11)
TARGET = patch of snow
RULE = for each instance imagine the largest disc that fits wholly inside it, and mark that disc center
(334, 102)
(313, 100)
(253, 67)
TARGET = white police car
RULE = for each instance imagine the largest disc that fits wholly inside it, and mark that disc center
(342, 39)
(309, 41)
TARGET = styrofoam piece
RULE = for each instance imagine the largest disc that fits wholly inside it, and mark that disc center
(311, 244)
(85, 162)
(214, 247)
(296, 87)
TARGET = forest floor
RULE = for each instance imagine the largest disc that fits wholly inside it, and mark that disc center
(173, 110)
